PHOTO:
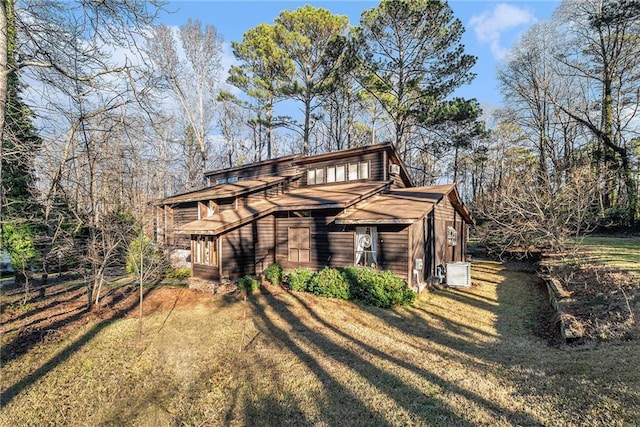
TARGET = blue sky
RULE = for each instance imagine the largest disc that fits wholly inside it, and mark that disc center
(491, 27)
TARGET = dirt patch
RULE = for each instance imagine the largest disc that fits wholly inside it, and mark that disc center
(64, 309)
(597, 302)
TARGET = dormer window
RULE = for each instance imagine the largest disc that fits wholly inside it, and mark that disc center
(227, 180)
(338, 173)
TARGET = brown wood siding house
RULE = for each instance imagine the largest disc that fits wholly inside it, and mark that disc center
(350, 207)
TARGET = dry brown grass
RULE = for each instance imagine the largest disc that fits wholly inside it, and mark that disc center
(458, 357)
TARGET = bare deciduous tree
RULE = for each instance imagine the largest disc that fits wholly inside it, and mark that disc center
(192, 74)
(531, 212)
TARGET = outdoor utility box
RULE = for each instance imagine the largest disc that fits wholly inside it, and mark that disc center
(459, 274)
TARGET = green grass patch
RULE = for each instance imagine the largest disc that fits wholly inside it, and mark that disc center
(618, 252)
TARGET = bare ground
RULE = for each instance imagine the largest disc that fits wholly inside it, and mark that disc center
(64, 309)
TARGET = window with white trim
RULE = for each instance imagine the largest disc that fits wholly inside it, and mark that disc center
(353, 171)
(363, 170)
(366, 246)
(311, 176)
(331, 174)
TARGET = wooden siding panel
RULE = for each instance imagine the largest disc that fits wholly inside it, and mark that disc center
(206, 272)
(440, 236)
(238, 252)
(327, 245)
(265, 244)
(253, 172)
(185, 213)
(393, 247)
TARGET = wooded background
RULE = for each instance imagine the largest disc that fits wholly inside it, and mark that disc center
(103, 111)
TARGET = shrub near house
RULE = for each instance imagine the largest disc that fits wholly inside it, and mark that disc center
(379, 288)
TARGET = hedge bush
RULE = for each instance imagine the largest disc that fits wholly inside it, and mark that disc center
(178, 273)
(248, 284)
(379, 288)
(331, 283)
(273, 274)
(299, 279)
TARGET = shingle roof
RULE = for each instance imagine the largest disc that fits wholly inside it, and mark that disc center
(401, 206)
(222, 191)
(318, 197)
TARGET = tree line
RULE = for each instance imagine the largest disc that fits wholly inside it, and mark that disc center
(103, 111)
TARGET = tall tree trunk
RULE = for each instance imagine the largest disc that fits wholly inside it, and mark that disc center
(4, 87)
(307, 124)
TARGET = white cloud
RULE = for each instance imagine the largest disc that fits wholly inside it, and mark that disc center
(491, 25)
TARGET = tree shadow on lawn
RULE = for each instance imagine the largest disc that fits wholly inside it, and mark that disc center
(523, 351)
(73, 296)
(24, 342)
(416, 401)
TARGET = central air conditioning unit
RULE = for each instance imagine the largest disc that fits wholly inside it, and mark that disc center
(459, 274)
(394, 169)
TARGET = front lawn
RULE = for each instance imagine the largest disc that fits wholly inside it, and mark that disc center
(476, 356)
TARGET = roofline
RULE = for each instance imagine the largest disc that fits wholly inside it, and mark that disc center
(250, 165)
(460, 206)
(301, 159)
(231, 193)
(376, 221)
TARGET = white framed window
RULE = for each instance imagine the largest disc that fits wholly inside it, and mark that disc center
(452, 236)
(353, 171)
(363, 171)
(331, 174)
(311, 176)
(319, 176)
(340, 173)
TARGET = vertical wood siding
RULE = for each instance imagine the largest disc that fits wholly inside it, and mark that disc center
(265, 244)
(329, 245)
(238, 252)
(393, 250)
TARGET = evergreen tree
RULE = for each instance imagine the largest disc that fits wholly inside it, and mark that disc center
(20, 145)
(412, 60)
